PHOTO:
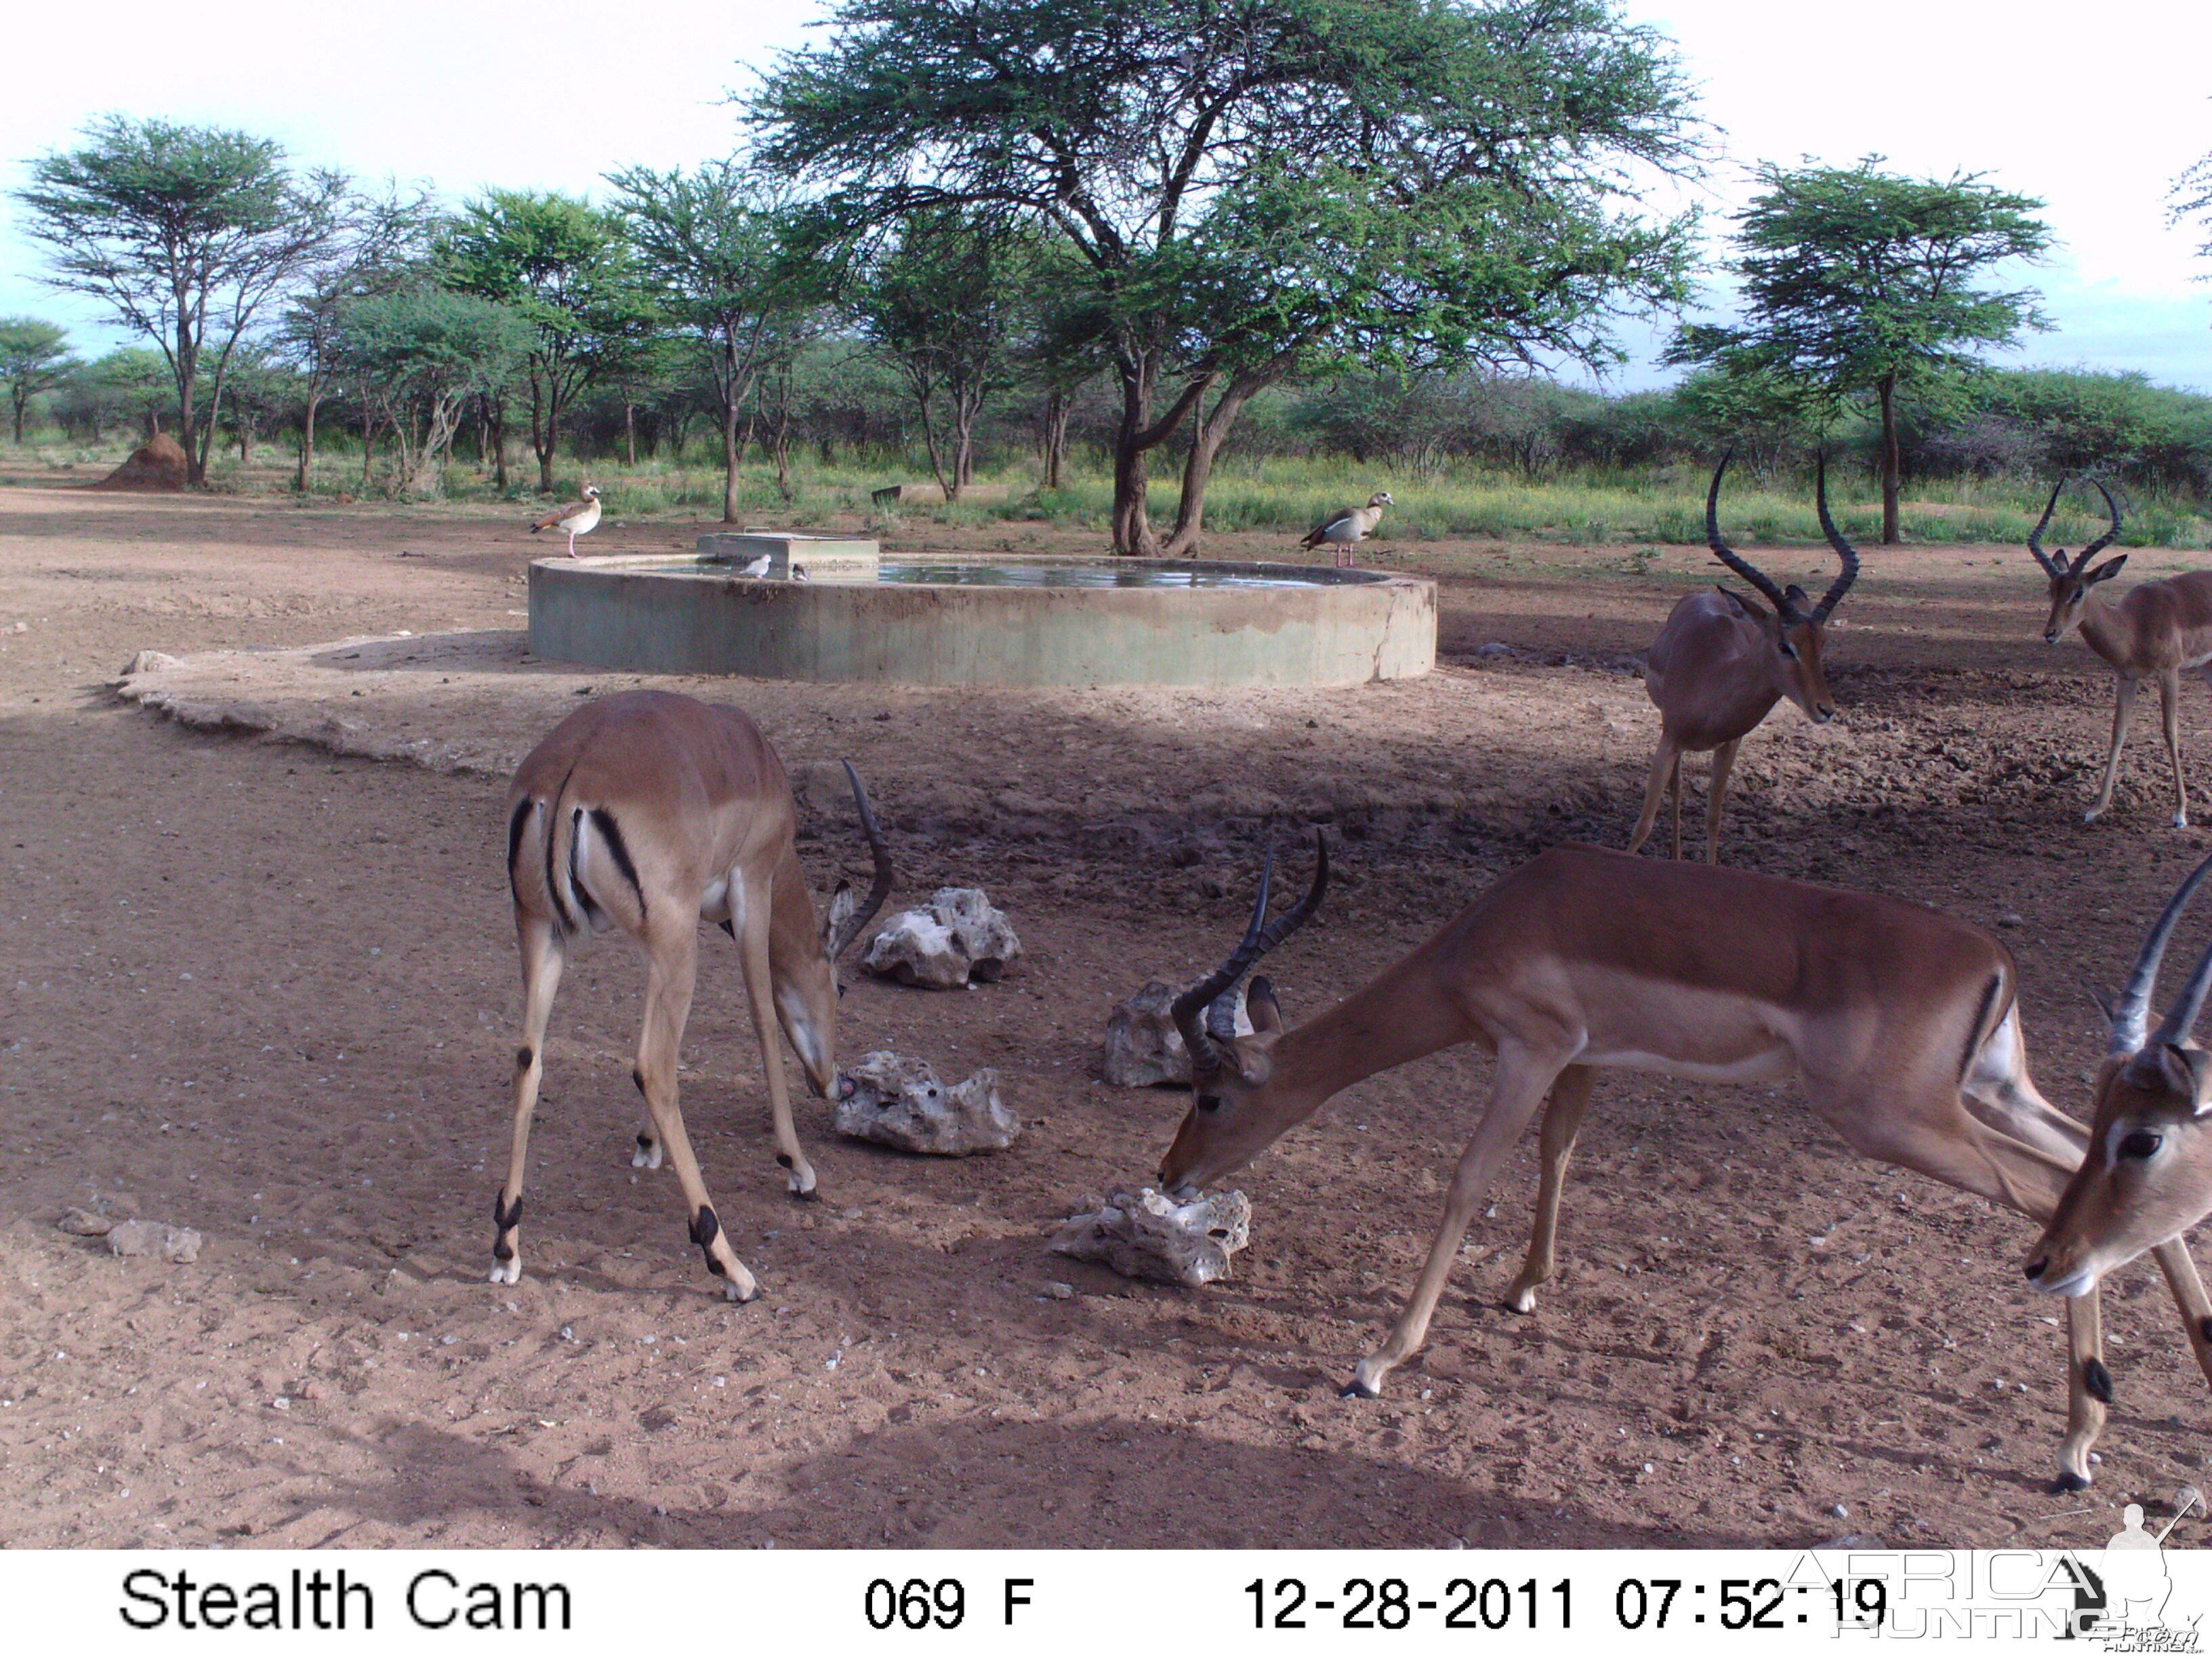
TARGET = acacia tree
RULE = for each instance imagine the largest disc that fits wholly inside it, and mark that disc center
(418, 357)
(185, 233)
(1256, 187)
(565, 267)
(1857, 283)
(946, 302)
(717, 245)
(378, 245)
(34, 357)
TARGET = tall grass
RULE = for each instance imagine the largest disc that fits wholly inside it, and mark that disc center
(1663, 505)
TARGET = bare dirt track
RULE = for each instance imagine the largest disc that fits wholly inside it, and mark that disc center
(266, 988)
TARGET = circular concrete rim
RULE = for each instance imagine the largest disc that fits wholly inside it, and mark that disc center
(636, 612)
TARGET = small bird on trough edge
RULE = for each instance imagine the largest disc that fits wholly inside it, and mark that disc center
(756, 569)
(578, 517)
(1347, 526)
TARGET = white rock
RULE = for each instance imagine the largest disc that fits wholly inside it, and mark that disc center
(958, 939)
(87, 1224)
(150, 662)
(900, 1103)
(154, 1238)
(1143, 1047)
(1148, 1236)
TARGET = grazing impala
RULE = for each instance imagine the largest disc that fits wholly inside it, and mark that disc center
(654, 813)
(1722, 661)
(2159, 628)
(1900, 1021)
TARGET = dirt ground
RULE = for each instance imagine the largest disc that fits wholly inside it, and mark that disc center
(258, 978)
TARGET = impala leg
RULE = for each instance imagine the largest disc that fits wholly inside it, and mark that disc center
(1563, 1120)
(540, 978)
(2169, 709)
(2124, 714)
(1662, 768)
(1716, 793)
(2088, 1389)
(1674, 791)
(2173, 1260)
(760, 992)
(672, 961)
(1522, 1083)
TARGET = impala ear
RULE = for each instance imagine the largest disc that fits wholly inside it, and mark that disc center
(1260, 1004)
(1796, 597)
(842, 903)
(2178, 1069)
(2107, 570)
(1742, 603)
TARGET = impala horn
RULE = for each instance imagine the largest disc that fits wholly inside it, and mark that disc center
(1783, 609)
(882, 889)
(2111, 534)
(2131, 1014)
(2035, 536)
(1844, 550)
(1214, 996)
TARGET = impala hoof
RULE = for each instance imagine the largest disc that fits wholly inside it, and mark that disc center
(648, 1155)
(2181, 820)
(1521, 1301)
(1357, 1390)
(2093, 815)
(509, 1271)
(739, 1287)
(2069, 1481)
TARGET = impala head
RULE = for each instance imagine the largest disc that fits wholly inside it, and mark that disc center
(1796, 628)
(1234, 1117)
(806, 985)
(2070, 583)
(2148, 1176)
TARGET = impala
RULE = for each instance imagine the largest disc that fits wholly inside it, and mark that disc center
(1722, 661)
(652, 813)
(2157, 628)
(1901, 1022)
(2147, 1178)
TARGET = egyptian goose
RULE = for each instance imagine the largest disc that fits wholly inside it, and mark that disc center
(578, 517)
(1349, 526)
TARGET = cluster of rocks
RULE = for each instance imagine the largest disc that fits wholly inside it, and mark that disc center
(1148, 1235)
(134, 1237)
(958, 939)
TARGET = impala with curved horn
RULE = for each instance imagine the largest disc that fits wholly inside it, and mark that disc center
(2157, 627)
(652, 813)
(1901, 1022)
(1722, 661)
(2147, 1178)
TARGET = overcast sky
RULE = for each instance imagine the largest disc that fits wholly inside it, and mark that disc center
(2094, 108)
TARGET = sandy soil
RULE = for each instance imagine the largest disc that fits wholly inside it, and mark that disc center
(258, 979)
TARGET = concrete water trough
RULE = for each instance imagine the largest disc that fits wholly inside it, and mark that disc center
(961, 619)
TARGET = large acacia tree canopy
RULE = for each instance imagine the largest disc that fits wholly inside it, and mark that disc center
(1245, 177)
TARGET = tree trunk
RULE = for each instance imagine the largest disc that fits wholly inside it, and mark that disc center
(951, 486)
(1204, 444)
(1132, 531)
(19, 415)
(732, 452)
(302, 480)
(1056, 436)
(1890, 534)
(630, 433)
(368, 450)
